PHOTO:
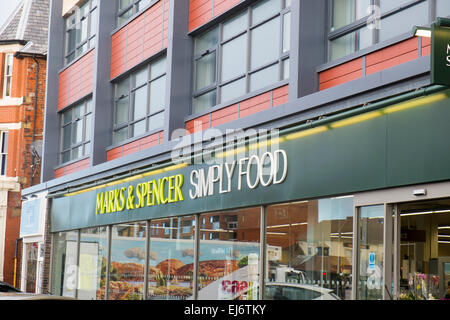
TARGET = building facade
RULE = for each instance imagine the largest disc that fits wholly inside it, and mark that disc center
(271, 149)
(23, 59)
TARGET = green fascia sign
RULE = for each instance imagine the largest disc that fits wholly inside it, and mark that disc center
(401, 143)
(440, 52)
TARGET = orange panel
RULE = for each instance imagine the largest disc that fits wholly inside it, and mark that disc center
(198, 124)
(340, 70)
(392, 62)
(220, 6)
(200, 12)
(254, 105)
(224, 115)
(280, 96)
(343, 79)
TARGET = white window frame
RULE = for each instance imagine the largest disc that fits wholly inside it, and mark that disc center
(3, 153)
(9, 61)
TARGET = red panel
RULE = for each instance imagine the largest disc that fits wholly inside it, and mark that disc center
(135, 146)
(149, 141)
(72, 168)
(76, 81)
(254, 105)
(426, 46)
(224, 115)
(140, 39)
(220, 6)
(198, 124)
(280, 96)
(343, 79)
(341, 71)
(393, 55)
(200, 12)
(114, 154)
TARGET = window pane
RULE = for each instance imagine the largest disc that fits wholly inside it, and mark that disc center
(156, 121)
(89, 106)
(138, 128)
(140, 77)
(234, 58)
(123, 87)
(121, 111)
(142, 4)
(264, 10)
(285, 69)
(140, 103)
(233, 90)
(77, 153)
(205, 71)
(65, 156)
(171, 259)
(157, 95)
(158, 68)
(3, 162)
(207, 41)
(404, 21)
(64, 264)
(204, 102)
(88, 127)
(120, 135)
(347, 11)
(77, 132)
(128, 261)
(67, 137)
(443, 8)
(92, 264)
(235, 25)
(87, 149)
(287, 32)
(264, 77)
(387, 5)
(350, 43)
(125, 16)
(371, 253)
(4, 137)
(124, 3)
(309, 245)
(229, 263)
(71, 40)
(94, 22)
(265, 39)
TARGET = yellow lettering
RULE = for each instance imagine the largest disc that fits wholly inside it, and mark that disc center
(156, 191)
(122, 199)
(150, 195)
(111, 206)
(139, 196)
(99, 205)
(106, 203)
(161, 190)
(171, 188)
(179, 179)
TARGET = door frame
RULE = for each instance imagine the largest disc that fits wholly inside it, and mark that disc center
(392, 223)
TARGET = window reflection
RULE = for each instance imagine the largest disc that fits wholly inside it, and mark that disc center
(92, 264)
(171, 258)
(309, 249)
(127, 261)
(229, 255)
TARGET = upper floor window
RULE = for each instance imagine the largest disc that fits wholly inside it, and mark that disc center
(81, 27)
(7, 81)
(3, 152)
(358, 24)
(129, 7)
(140, 101)
(245, 53)
(76, 125)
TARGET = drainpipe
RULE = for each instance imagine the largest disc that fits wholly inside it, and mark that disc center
(15, 261)
(34, 115)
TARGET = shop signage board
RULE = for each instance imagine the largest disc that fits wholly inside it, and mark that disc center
(389, 147)
(440, 52)
(30, 217)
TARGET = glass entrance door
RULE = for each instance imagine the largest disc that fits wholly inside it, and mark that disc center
(370, 254)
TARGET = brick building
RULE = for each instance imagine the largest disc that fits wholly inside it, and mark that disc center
(23, 65)
(221, 149)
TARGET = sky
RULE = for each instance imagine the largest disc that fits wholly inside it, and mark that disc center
(6, 9)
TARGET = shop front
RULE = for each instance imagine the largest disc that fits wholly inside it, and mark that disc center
(292, 215)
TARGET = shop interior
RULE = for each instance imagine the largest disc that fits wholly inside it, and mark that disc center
(425, 249)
